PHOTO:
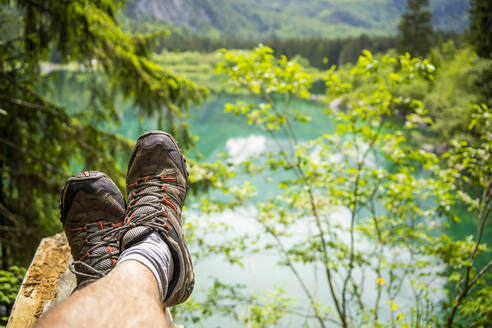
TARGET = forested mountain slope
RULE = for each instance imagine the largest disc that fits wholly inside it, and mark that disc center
(290, 18)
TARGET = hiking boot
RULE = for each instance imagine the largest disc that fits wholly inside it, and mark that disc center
(157, 183)
(92, 210)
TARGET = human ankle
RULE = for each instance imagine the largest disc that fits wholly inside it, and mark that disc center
(153, 253)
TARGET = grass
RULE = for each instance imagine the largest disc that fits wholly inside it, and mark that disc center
(200, 67)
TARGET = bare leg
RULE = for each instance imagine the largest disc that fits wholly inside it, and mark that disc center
(127, 297)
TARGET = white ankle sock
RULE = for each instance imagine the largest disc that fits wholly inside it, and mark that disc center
(154, 253)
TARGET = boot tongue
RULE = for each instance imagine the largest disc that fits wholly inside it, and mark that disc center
(134, 235)
(145, 210)
(140, 212)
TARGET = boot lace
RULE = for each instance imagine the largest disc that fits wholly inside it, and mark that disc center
(149, 202)
(106, 238)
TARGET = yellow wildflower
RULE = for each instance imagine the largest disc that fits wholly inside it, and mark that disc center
(380, 281)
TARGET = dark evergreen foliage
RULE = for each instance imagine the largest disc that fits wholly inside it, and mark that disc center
(415, 28)
(320, 52)
(481, 39)
(481, 27)
(41, 143)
